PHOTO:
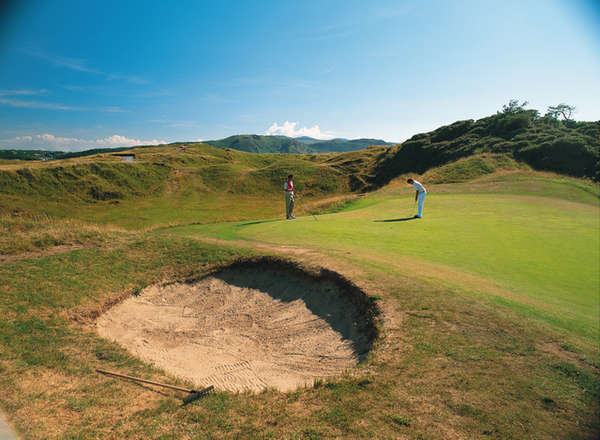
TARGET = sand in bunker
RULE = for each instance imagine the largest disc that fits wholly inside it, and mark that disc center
(242, 329)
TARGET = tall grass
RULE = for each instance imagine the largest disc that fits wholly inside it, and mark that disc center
(29, 232)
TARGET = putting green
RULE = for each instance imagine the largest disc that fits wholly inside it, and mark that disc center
(537, 254)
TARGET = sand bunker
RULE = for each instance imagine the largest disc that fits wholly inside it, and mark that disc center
(246, 328)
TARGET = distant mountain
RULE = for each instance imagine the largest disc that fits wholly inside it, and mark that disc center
(340, 145)
(30, 154)
(54, 155)
(251, 143)
(308, 140)
(254, 143)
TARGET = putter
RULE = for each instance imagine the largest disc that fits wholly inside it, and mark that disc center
(304, 209)
(192, 394)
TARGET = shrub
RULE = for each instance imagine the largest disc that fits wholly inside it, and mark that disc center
(566, 155)
(509, 125)
(452, 131)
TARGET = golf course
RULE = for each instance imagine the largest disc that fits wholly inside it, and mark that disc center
(300, 220)
(510, 242)
(354, 320)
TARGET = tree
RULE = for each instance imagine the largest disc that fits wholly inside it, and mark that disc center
(513, 107)
(563, 110)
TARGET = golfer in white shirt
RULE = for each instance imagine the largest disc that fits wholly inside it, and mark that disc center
(419, 195)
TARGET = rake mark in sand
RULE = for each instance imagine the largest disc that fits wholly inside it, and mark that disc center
(247, 327)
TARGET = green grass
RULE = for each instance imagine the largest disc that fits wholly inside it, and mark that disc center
(539, 252)
(165, 186)
(490, 305)
(471, 167)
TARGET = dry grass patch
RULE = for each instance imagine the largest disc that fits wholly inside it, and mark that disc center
(30, 234)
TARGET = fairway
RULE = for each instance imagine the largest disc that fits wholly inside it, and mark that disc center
(537, 254)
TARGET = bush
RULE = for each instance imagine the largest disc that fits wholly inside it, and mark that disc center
(571, 149)
(452, 131)
(507, 126)
(566, 155)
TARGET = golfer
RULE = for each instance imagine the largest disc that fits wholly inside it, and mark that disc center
(288, 188)
(419, 196)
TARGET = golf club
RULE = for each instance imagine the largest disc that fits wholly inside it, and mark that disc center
(304, 208)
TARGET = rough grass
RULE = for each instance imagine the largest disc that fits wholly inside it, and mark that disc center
(470, 168)
(88, 182)
(169, 185)
(22, 232)
(166, 185)
(448, 366)
(469, 348)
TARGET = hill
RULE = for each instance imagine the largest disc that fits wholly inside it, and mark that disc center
(201, 183)
(30, 154)
(340, 145)
(167, 183)
(571, 148)
(54, 155)
(253, 143)
(307, 140)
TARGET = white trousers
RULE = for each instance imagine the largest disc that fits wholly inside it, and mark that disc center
(421, 201)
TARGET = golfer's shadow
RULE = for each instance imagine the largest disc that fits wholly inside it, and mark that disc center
(396, 220)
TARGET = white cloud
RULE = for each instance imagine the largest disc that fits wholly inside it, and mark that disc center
(112, 109)
(132, 79)
(72, 88)
(5, 92)
(47, 141)
(35, 104)
(55, 106)
(80, 65)
(289, 129)
(69, 63)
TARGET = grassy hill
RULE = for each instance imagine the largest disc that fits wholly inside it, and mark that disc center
(340, 145)
(54, 155)
(195, 183)
(254, 143)
(307, 140)
(566, 147)
(282, 144)
(30, 154)
(545, 144)
(181, 183)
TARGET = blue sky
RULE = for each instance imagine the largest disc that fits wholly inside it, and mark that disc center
(88, 74)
